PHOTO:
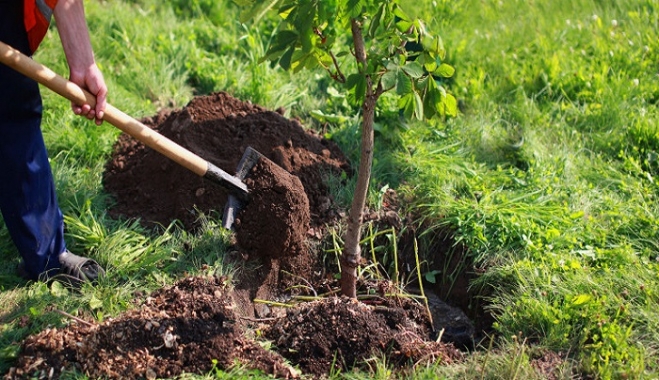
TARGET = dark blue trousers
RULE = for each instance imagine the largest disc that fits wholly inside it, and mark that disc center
(27, 192)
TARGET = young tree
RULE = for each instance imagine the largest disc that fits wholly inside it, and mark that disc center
(391, 52)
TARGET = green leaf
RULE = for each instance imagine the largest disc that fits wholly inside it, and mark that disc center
(352, 80)
(432, 99)
(57, 289)
(285, 61)
(388, 79)
(404, 83)
(434, 46)
(413, 69)
(286, 37)
(581, 299)
(375, 22)
(356, 84)
(283, 40)
(406, 103)
(418, 106)
(355, 7)
(450, 106)
(286, 10)
(429, 63)
(258, 10)
(301, 61)
(445, 70)
(95, 303)
(304, 17)
(306, 39)
(324, 57)
(398, 12)
(323, 118)
(431, 276)
(403, 26)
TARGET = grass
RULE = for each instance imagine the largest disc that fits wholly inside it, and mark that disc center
(547, 176)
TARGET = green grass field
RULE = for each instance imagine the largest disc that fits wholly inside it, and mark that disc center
(547, 175)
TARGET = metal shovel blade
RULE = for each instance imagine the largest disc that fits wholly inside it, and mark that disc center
(234, 203)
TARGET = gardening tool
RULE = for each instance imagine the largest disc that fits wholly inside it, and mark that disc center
(238, 192)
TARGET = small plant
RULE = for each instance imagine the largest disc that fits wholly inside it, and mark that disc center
(370, 48)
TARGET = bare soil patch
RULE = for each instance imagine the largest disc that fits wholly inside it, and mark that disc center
(344, 333)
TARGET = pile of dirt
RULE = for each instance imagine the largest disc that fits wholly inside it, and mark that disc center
(342, 333)
(192, 327)
(217, 127)
(289, 199)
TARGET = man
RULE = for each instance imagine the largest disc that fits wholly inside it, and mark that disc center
(27, 194)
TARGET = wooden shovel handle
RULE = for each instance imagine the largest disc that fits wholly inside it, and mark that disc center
(40, 73)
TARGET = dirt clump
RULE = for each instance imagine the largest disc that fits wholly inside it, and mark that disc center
(275, 221)
(344, 333)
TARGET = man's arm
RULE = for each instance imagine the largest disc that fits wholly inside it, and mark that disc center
(73, 32)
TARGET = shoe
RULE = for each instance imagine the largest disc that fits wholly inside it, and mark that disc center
(74, 270)
(79, 269)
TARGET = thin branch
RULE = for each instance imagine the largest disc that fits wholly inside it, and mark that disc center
(250, 319)
(341, 78)
(338, 75)
(64, 313)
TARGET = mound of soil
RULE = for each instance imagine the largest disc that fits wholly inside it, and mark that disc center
(218, 127)
(191, 327)
(344, 333)
(289, 198)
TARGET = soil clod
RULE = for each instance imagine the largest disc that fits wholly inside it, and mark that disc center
(275, 221)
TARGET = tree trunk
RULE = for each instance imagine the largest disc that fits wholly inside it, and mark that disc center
(352, 252)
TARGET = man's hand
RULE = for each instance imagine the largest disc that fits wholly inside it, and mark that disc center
(91, 80)
(72, 27)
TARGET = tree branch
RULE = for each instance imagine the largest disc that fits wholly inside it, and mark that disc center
(341, 78)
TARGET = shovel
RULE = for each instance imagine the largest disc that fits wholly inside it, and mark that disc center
(238, 192)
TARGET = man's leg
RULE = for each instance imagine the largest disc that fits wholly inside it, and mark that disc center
(27, 192)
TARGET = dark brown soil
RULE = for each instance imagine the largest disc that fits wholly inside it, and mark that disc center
(189, 327)
(193, 327)
(218, 128)
(275, 221)
(344, 333)
(200, 322)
